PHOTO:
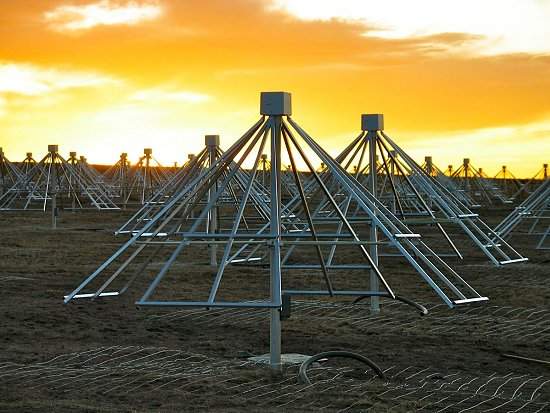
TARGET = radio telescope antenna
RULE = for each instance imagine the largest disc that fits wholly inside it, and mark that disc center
(414, 195)
(9, 173)
(54, 178)
(179, 231)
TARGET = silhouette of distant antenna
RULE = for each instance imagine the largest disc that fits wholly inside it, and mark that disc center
(147, 176)
(54, 179)
(9, 173)
(444, 178)
(478, 185)
(506, 181)
(533, 183)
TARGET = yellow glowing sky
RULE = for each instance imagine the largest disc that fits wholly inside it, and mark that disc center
(454, 78)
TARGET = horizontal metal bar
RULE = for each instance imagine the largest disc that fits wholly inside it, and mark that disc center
(513, 261)
(407, 235)
(471, 300)
(240, 260)
(216, 304)
(428, 221)
(329, 267)
(345, 293)
(249, 236)
(107, 294)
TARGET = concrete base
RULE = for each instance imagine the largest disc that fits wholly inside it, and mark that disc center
(290, 358)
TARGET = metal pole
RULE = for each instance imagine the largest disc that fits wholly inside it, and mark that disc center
(275, 279)
(147, 180)
(429, 165)
(374, 285)
(212, 143)
(54, 210)
(124, 178)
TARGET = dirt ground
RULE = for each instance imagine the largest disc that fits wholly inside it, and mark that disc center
(109, 356)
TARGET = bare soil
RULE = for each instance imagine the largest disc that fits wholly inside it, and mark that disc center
(109, 356)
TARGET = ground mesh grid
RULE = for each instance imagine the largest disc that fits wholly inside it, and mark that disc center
(510, 323)
(130, 369)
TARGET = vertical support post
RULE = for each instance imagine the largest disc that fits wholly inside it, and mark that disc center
(430, 171)
(54, 183)
(124, 178)
(54, 210)
(466, 165)
(429, 165)
(545, 167)
(374, 301)
(392, 158)
(372, 123)
(73, 162)
(147, 184)
(2, 178)
(275, 105)
(264, 168)
(212, 143)
(275, 256)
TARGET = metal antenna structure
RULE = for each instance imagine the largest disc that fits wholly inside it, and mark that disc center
(9, 173)
(414, 195)
(118, 177)
(87, 169)
(27, 164)
(292, 240)
(288, 188)
(194, 167)
(534, 182)
(92, 175)
(535, 210)
(146, 177)
(506, 181)
(444, 178)
(478, 185)
(55, 180)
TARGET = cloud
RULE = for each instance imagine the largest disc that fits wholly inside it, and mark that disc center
(503, 26)
(162, 95)
(32, 80)
(104, 12)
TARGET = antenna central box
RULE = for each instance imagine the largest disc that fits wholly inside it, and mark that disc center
(212, 140)
(275, 103)
(372, 122)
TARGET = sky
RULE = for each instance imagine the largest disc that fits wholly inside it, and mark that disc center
(454, 79)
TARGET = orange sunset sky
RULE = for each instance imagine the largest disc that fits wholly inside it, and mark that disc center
(454, 78)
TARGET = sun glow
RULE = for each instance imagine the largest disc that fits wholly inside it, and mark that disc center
(100, 77)
(32, 80)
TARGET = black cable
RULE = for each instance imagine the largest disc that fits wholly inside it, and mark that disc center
(302, 374)
(423, 310)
